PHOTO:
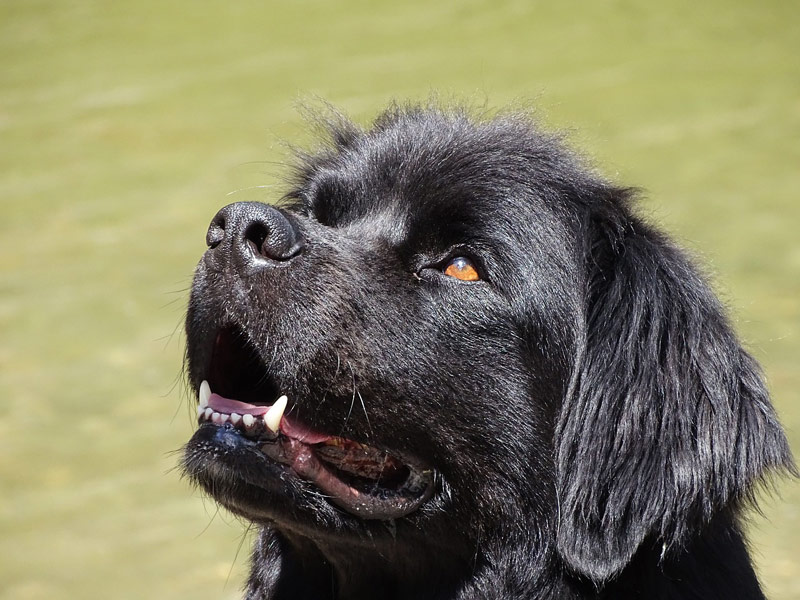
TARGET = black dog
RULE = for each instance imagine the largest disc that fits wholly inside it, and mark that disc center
(501, 382)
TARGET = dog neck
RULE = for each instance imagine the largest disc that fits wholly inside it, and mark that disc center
(287, 565)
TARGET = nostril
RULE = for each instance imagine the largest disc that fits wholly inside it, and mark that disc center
(255, 235)
(272, 237)
(215, 233)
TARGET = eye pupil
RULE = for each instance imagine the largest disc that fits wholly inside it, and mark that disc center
(462, 268)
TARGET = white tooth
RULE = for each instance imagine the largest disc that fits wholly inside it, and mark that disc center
(200, 411)
(235, 418)
(248, 420)
(204, 394)
(207, 413)
(274, 415)
(224, 418)
(216, 418)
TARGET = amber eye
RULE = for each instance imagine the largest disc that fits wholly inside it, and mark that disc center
(462, 268)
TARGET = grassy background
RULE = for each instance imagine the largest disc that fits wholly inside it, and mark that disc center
(125, 125)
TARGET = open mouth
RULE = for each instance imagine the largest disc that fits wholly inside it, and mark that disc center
(363, 480)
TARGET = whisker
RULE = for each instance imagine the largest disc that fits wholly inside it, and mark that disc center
(366, 416)
(352, 400)
(251, 188)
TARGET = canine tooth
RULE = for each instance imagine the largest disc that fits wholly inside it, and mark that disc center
(274, 415)
(207, 413)
(248, 420)
(236, 418)
(200, 411)
(204, 394)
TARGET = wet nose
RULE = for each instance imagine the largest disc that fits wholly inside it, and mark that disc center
(253, 235)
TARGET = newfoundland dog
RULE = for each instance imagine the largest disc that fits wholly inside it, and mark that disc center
(452, 363)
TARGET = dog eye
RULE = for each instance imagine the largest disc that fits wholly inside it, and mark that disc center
(462, 268)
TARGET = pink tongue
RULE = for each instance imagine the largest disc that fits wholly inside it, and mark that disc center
(289, 428)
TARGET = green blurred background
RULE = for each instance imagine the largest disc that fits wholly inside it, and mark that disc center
(125, 125)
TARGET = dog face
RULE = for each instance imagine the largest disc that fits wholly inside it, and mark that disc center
(481, 348)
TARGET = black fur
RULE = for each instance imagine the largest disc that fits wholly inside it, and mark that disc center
(594, 426)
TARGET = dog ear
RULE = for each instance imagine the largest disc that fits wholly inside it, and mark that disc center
(668, 420)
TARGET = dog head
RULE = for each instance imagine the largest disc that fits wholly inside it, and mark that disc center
(477, 341)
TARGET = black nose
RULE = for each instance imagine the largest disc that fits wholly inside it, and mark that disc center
(253, 235)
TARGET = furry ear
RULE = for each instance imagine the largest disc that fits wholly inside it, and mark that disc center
(668, 420)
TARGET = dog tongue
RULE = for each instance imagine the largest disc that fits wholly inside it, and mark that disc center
(289, 427)
(302, 433)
